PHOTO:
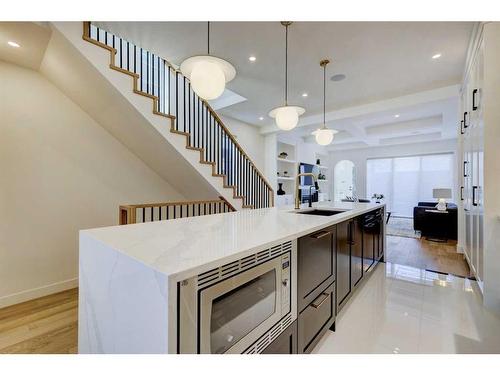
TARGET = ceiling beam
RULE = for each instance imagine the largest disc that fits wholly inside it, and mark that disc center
(380, 106)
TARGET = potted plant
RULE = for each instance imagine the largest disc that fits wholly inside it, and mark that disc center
(378, 197)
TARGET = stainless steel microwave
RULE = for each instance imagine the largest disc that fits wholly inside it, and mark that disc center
(239, 307)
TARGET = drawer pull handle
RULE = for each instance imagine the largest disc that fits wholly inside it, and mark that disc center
(321, 234)
(315, 304)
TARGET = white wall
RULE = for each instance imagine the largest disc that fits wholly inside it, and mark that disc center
(359, 156)
(249, 137)
(60, 171)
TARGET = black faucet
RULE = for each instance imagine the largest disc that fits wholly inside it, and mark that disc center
(310, 196)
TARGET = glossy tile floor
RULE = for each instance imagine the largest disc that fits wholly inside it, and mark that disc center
(401, 309)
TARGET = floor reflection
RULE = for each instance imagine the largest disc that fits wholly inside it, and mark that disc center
(402, 309)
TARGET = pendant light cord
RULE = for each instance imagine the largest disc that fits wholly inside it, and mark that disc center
(208, 38)
(324, 95)
(286, 65)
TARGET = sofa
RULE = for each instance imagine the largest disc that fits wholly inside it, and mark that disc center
(434, 224)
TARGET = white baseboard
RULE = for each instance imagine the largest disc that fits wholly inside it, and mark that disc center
(42, 291)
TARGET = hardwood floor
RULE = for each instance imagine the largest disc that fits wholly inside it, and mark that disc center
(421, 253)
(44, 325)
(50, 324)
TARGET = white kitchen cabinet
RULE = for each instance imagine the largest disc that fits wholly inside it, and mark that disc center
(471, 144)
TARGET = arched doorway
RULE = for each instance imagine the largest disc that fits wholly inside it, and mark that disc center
(344, 177)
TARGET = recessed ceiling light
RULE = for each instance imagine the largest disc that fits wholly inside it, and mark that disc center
(252, 58)
(436, 56)
(396, 115)
(261, 118)
(304, 95)
(338, 77)
(13, 44)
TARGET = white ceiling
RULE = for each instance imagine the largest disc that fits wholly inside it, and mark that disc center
(388, 66)
(380, 59)
(420, 118)
(32, 38)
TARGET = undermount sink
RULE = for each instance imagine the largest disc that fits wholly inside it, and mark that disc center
(320, 212)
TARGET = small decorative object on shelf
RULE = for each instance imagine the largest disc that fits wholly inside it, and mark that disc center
(280, 189)
(377, 197)
(321, 176)
(285, 173)
(318, 162)
(283, 155)
(278, 174)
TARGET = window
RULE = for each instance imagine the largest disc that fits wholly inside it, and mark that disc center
(344, 177)
(406, 181)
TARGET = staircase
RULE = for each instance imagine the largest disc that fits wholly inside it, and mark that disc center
(186, 115)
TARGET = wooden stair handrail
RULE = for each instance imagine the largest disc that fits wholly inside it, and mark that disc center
(127, 212)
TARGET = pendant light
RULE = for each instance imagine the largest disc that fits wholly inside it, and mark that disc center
(323, 135)
(208, 74)
(286, 116)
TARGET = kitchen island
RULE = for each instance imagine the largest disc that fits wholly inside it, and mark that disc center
(133, 277)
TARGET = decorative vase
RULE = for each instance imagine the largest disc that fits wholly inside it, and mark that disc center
(318, 162)
(280, 189)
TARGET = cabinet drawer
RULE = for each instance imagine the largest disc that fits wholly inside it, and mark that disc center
(316, 265)
(315, 320)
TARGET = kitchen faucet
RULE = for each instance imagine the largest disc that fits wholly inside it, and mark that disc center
(297, 200)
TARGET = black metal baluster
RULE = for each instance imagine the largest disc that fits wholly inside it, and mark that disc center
(144, 214)
(152, 213)
(128, 54)
(212, 127)
(168, 90)
(218, 149)
(177, 103)
(121, 53)
(189, 111)
(147, 72)
(141, 76)
(199, 123)
(159, 213)
(98, 34)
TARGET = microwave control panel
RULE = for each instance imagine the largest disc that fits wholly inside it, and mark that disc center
(285, 283)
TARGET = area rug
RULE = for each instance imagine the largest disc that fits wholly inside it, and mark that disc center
(402, 227)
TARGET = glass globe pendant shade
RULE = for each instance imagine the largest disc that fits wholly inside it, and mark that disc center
(287, 118)
(207, 80)
(208, 75)
(324, 136)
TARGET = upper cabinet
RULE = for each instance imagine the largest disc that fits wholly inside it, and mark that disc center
(471, 145)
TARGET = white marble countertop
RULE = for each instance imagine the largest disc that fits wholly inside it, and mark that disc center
(182, 248)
